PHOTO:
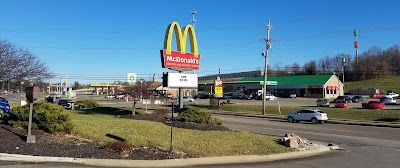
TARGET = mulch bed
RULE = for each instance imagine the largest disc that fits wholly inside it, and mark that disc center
(12, 142)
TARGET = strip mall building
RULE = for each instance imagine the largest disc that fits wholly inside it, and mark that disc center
(312, 86)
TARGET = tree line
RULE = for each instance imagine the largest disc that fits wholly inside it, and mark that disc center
(19, 66)
(371, 64)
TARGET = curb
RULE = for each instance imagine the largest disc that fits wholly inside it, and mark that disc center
(329, 121)
(29, 158)
(170, 162)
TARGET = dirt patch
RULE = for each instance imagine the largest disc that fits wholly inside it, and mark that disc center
(66, 145)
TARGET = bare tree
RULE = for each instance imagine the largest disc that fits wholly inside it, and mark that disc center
(18, 64)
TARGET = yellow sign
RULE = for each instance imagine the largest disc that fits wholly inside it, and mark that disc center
(218, 90)
(181, 39)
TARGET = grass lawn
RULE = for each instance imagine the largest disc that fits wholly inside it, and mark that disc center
(96, 123)
(392, 116)
(383, 84)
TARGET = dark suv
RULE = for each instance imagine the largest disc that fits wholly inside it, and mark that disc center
(344, 98)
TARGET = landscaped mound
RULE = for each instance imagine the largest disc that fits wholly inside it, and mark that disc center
(46, 116)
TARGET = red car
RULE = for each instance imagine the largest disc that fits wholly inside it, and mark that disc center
(341, 104)
(373, 105)
(376, 95)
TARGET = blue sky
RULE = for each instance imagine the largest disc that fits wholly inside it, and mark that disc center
(94, 41)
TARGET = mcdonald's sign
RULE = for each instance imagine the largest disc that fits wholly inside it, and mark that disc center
(180, 60)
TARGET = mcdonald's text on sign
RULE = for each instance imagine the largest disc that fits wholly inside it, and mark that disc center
(177, 60)
(180, 60)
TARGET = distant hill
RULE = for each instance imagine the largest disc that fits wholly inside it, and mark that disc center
(383, 84)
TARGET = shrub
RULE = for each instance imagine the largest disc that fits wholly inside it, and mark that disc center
(48, 117)
(217, 121)
(122, 148)
(193, 114)
(87, 103)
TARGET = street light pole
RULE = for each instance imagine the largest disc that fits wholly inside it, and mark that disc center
(141, 90)
(268, 46)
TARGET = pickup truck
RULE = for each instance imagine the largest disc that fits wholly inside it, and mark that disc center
(373, 105)
(66, 103)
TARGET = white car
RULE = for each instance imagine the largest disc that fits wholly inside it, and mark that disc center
(314, 115)
(185, 99)
(270, 97)
(392, 95)
(387, 100)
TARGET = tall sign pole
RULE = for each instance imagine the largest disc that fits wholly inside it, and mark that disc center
(268, 46)
(356, 44)
(180, 60)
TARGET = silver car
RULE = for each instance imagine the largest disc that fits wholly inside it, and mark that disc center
(322, 102)
(314, 115)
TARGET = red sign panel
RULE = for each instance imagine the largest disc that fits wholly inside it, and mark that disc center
(332, 88)
(177, 60)
(356, 44)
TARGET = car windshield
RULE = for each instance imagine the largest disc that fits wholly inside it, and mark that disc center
(3, 99)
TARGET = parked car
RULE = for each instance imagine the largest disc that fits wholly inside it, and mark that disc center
(314, 115)
(49, 99)
(290, 95)
(357, 99)
(188, 99)
(66, 103)
(391, 95)
(373, 105)
(343, 98)
(5, 108)
(201, 96)
(376, 95)
(322, 102)
(341, 104)
(270, 97)
(228, 96)
(387, 100)
(249, 97)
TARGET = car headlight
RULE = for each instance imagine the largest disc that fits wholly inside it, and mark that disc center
(8, 107)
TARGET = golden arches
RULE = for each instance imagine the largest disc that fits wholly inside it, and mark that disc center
(181, 38)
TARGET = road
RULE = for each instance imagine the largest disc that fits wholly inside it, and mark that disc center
(361, 146)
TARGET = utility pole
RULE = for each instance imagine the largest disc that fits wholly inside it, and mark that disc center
(343, 63)
(268, 46)
(193, 24)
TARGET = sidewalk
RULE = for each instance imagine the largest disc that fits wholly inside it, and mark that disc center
(332, 121)
(170, 162)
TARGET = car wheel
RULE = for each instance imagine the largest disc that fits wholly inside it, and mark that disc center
(321, 122)
(1, 112)
(290, 119)
(314, 121)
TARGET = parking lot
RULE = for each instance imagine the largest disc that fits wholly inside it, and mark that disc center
(299, 102)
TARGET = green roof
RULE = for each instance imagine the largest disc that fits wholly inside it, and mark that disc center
(294, 80)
